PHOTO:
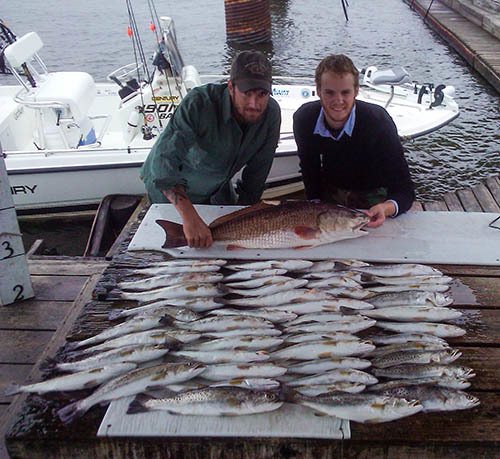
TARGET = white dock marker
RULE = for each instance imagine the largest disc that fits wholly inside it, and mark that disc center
(15, 282)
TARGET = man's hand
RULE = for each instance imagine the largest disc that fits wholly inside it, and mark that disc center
(196, 231)
(379, 212)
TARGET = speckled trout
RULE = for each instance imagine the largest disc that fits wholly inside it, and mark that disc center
(212, 401)
(267, 225)
(369, 408)
(132, 383)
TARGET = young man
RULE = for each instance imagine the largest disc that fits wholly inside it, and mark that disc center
(217, 130)
(350, 152)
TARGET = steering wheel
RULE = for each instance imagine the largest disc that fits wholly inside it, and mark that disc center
(121, 76)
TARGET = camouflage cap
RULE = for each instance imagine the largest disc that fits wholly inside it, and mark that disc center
(251, 70)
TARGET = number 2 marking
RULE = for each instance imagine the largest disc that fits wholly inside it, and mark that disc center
(19, 295)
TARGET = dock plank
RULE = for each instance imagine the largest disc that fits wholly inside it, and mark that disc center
(493, 184)
(482, 292)
(65, 266)
(481, 326)
(469, 201)
(485, 198)
(34, 315)
(58, 288)
(23, 346)
(453, 203)
(484, 361)
(435, 206)
(10, 373)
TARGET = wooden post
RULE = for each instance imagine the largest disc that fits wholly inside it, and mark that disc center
(248, 21)
(15, 282)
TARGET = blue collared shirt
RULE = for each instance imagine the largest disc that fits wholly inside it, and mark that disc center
(323, 131)
(347, 129)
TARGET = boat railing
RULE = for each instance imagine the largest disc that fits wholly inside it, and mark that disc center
(103, 130)
(81, 150)
(211, 78)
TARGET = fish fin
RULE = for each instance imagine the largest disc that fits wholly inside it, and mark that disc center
(163, 392)
(48, 364)
(166, 320)
(305, 232)
(90, 384)
(71, 346)
(234, 247)
(173, 344)
(117, 314)
(239, 213)
(288, 394)
(137, 405)
(12, 389)
(174, 234)
(302, 247)
(70, 412)
(153, 388)
(348, 311)
(319, 414)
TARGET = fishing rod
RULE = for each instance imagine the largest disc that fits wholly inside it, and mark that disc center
(345, 5)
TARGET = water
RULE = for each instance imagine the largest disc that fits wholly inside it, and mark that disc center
(91, 36)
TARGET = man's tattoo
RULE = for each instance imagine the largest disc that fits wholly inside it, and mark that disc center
(176, 194)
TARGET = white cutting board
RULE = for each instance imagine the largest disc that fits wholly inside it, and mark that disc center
(417, 237)
(289, 421)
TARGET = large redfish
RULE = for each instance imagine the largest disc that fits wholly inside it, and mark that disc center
(279, 225)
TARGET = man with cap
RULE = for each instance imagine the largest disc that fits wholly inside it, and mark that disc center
(217, 130)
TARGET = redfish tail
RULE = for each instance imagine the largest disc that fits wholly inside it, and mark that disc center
(174, 234)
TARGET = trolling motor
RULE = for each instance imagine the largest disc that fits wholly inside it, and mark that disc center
(438, 96)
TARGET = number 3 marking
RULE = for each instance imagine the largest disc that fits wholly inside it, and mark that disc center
(9, 249)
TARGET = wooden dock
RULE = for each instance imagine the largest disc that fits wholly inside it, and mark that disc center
(471, 31)
(36, 329)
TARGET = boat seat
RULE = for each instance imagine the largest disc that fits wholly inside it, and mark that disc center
(62, 99)
(397, 75)
(74, 90)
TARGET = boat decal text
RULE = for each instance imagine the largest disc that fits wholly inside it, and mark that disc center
(280, 92)
(164, 111)
(23, 189)
(171, 98)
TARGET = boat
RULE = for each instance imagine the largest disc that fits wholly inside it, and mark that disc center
(69, 141)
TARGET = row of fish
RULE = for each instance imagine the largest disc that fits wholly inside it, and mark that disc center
(232, 334)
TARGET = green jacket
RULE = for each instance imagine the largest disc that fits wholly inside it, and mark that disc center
(203, 147)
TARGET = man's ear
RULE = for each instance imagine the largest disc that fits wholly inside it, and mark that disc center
(230, 86)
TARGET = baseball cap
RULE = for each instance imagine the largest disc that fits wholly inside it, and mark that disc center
(251, 70)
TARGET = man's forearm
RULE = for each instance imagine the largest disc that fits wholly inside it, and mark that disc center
(180, 200)
(195, 230)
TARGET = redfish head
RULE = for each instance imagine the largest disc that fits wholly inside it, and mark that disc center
(343, 219)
